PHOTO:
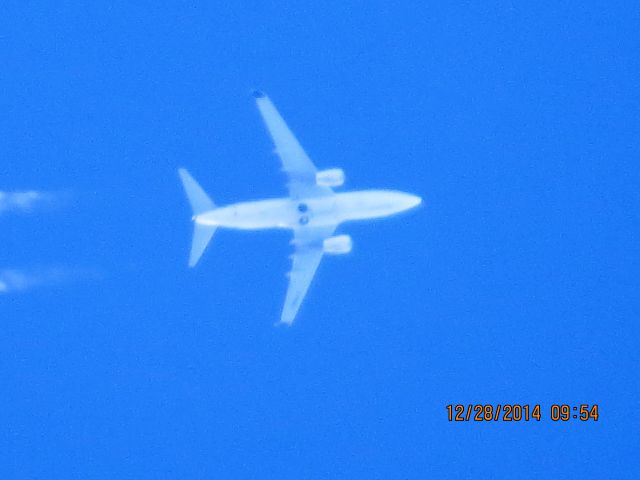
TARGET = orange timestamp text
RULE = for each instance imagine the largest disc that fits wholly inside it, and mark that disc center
(516, 412)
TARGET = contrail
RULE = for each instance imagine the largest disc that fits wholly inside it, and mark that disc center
(24, 201)
(17, 280)
(21, 279)
(13, 280)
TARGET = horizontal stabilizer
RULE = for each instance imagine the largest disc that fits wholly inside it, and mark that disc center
(199, 200)
(200, 203)
(201, 236)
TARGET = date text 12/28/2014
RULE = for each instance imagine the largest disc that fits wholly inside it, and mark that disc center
(521, 412)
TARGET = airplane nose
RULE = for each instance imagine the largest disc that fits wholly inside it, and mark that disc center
(413, 201)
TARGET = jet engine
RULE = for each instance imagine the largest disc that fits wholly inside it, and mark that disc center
(334, 177)
(338, 245)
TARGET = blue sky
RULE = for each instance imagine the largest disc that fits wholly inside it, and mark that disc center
(515, 282)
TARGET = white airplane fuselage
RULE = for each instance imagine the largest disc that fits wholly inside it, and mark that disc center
(313, 212)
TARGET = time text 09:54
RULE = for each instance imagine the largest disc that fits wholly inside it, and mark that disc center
(520, 412)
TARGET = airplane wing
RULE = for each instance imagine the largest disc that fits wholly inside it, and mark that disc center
(308, 243)
(295, 162)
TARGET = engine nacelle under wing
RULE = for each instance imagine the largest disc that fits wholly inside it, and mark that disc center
(334, 177)
(338, 245)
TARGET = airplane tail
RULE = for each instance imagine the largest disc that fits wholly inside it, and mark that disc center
(200, 203)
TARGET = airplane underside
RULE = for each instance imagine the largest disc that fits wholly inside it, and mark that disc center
(313, 210)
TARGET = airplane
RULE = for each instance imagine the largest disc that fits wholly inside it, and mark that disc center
(312, 210)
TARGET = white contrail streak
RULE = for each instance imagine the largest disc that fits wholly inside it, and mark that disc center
(13, 280)
(24, 201)
(18, 280)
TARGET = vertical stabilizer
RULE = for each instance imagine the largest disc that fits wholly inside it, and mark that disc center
(200, 203)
